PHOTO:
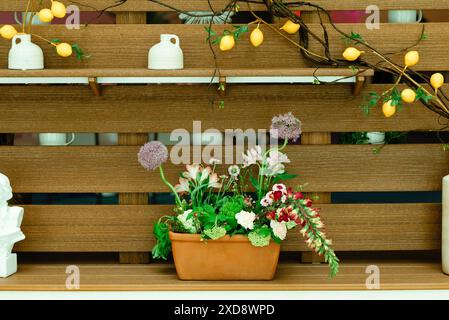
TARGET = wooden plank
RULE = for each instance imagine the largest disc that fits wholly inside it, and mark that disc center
(111, 52)
(402, 275)
(115, 168)
(145, 5)
(133, 139)
(103, 228)
(74, 109)
(318, 138)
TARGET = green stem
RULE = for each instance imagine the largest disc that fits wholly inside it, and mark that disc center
(178, 200)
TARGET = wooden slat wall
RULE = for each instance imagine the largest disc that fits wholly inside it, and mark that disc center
(148, 107)
(135, 110)
(329, 168)
(127, 46)
(128, 228)
(145, 5)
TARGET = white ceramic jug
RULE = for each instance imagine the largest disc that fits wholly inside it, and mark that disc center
(25, 55)
(166, 55)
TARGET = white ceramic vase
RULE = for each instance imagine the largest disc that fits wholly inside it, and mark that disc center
(166, 55)
(405, 16)
(24, 54)
(445, 227)
(55, 139)
(376, 137)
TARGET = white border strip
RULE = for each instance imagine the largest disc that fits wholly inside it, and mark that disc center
(169, 80)
(230, 295)
(45, 80)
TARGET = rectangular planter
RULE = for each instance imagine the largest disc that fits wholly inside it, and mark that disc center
(228, 258)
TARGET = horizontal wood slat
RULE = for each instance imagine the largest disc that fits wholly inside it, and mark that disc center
(395, 275)
(126, 46)
(115, 169)
(352, 227)
(75, 109)
(145, 5)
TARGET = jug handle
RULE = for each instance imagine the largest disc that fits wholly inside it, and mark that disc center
(14, 42)
(173, 36)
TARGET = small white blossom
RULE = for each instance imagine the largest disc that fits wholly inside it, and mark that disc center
(234, 171)
(279, 229)
(246, 219)
(187, 222)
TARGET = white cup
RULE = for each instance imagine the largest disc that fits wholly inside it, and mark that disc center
(26, 16)
(55, 139)
(405, 16)
(376, 137)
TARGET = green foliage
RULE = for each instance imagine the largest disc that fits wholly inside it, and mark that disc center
(260, 237)
(395, 97)
(215, 232)
(163, 244)
(354, 138)
(283, 177)
(422, 95)
(353, 38)
(215, 38)
(370, 101)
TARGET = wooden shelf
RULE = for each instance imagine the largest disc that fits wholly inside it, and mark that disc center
(404, 275)
(103, 76)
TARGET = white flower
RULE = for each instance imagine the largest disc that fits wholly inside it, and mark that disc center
(246, 219)
(205, 173)
(183, 185)
(273, 170)
(279, 229)
(186, 222)
(192, 171)
(213, 181)
(277, 157)
(280, 187)
(267, 201)
(234, 171)
(252, 156)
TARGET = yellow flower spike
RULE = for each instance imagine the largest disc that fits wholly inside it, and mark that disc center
(58, 9)
(64, 49)
(8, 31)
(411, 59)
(408, 95)
(437, 81)
(352, 54)
(290, 27)
(227, 43)
(45, 15)
(256, 37)
(388, 109)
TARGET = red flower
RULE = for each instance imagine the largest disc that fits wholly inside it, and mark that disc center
(308, 202)
(271, 215)
(299, 195)
(277, 195)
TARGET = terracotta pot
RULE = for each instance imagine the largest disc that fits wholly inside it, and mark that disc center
(228, 258)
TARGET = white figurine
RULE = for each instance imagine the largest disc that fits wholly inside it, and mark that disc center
(10, 233)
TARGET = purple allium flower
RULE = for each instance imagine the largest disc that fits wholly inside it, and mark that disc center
(286, 126)
(152, 154)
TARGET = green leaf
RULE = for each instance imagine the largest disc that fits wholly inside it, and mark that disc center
(215, 232)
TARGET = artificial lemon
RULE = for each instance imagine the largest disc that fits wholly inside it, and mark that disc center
(256, 37)
(58, 9)
(64, 49)
(227, 43)
(290, 27)
(411, 58)
(437, 80)
(388, 109)
(45, 15)
(408, 95)
(352, 54)
(8, 31)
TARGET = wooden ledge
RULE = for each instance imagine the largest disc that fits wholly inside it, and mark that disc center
(404, 275)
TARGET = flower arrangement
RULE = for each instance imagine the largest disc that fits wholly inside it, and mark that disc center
(36, 8)
(215, 205)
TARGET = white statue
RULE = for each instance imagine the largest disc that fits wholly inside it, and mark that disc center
(10, 233)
